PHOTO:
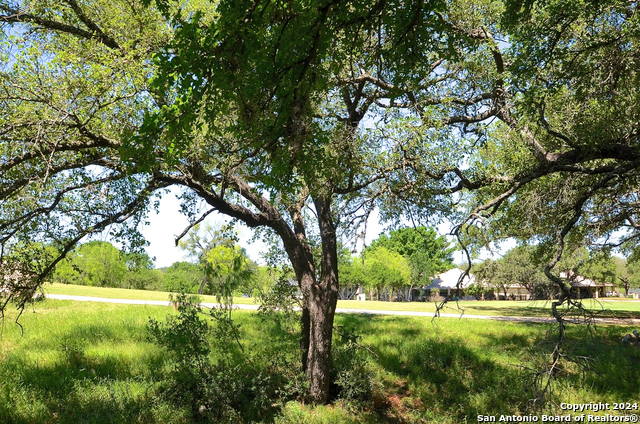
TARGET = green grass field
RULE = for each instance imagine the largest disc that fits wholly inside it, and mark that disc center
(115, 293)
(603, 308)
(85, 362)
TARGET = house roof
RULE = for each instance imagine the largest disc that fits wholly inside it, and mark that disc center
(449, 280)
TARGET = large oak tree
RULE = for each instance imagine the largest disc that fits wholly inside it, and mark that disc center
(303, 117)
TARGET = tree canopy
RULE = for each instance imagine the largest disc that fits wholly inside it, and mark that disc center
(427, 253)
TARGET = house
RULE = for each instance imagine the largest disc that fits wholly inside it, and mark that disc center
(514, 291)
(584, 288)
(447, 284)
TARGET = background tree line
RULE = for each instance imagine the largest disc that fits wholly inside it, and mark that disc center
(522, 265)
(402, 259)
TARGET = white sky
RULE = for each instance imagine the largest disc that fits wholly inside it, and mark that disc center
(169, 222)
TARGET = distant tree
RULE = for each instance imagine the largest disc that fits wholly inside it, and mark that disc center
(599, 266)
(262, 278)
(99, 263)
(137, 261)
(351, 269)
(517, 266)
(225, 264)
(96, 263)
(427, 253)
(141, 274)
(183, 277)
(487, 273)
(385, 270)
(627, 273)
(476, 290)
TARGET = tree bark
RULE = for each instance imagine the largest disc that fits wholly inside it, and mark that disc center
(306, 276)
(323, 298)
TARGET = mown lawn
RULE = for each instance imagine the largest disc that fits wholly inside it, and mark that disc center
(115, 293)
(603, 308)
(84, 362)
(538, 308)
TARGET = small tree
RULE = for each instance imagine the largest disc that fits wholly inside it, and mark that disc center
(428, 254)
(385, 270)
(225, 264)
(476, 290)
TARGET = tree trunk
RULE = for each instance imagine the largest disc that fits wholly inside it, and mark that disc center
(305, 285)
(319, 297)
(322, 306)
(204, 283)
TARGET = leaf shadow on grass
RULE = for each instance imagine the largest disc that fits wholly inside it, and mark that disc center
(81, 387)
(515, 342)
(432, 376)
(595, 362)
(613, 366)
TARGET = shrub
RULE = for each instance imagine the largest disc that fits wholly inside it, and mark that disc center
(352, 375)
(210, 371)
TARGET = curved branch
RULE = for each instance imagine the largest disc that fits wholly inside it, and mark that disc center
(94, 33)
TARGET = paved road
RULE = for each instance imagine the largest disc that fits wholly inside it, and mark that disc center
(341, 310)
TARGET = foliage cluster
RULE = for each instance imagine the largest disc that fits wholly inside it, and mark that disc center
(517, 266)
(100, 264)
(227, 386)
(215, 376)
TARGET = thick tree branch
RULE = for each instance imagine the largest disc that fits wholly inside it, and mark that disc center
(94, 33)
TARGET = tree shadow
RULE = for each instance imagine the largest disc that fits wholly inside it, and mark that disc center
(529, 311)
(612, 366)
(430, 376)
(81, 387)
(594, 359)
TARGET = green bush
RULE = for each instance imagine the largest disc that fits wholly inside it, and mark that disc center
(211, 373)
(351, 373)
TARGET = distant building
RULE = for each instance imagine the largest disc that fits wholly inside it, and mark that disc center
(584, 288)
(447, 285)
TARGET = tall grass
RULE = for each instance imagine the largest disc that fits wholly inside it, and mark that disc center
(94, 363)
